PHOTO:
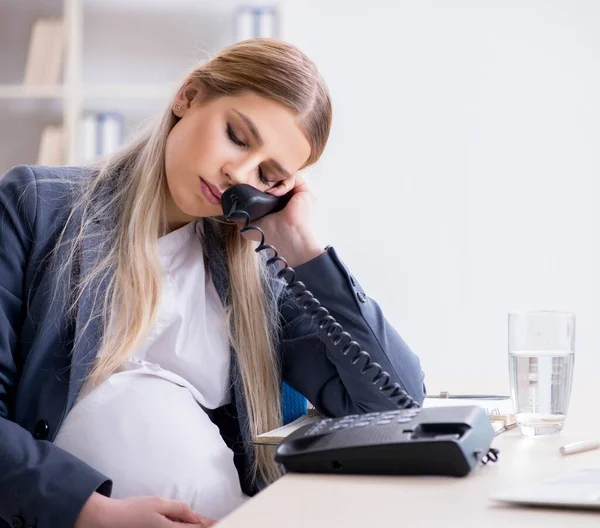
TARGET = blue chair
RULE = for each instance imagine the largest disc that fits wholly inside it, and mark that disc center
(293, 404)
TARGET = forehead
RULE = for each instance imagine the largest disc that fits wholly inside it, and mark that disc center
(284, 139)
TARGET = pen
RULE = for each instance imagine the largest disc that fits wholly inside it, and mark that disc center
(447, 395)
(579, 447)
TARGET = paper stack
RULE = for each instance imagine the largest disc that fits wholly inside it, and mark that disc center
(500, 411)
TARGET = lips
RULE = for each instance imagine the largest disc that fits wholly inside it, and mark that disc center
(210, 192)
(213, 189)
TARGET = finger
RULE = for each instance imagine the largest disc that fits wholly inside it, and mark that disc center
(301, 185)
(178, 510)
(284, 187)
(205, 523)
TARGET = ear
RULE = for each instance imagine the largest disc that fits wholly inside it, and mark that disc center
(184, 98)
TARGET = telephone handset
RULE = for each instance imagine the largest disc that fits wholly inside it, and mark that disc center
(255, 203)
(408, 440)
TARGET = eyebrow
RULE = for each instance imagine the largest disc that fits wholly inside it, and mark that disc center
(258, 138)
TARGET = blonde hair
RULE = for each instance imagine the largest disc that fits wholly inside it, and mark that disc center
(125, 195)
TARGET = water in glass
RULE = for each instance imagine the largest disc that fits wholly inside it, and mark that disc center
(540, 383)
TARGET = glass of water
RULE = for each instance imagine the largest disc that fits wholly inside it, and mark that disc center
(541, 355)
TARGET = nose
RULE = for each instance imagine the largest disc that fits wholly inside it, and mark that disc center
(241, 170)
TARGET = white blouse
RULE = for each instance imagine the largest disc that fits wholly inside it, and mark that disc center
(143, 427)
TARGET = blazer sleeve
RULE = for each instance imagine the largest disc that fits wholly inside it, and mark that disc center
(40, 484)
(319, 371)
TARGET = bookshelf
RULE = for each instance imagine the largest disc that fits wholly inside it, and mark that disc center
(18, 91)
(126, 57)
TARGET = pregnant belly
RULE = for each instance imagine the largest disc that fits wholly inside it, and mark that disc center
(148, 434)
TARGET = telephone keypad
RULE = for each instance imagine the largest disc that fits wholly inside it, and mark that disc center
(399, 416)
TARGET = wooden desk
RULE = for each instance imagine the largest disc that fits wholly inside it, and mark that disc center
(334, 500)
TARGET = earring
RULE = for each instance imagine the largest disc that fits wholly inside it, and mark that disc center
(177, 107)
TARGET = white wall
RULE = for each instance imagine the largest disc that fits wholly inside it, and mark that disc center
(459, 180)
(464, 149)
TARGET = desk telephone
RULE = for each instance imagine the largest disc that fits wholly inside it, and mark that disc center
(406, 440)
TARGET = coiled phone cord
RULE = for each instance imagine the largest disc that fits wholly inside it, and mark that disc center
(329, 329)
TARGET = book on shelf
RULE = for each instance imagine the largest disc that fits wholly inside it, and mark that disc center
(499, 411)
(52, 146)
(256, 22)
(45, 54)
(101, 134)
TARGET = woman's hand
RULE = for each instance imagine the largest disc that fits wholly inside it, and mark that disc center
(290, 230)
(138, 512)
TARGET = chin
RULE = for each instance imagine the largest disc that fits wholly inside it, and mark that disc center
(202, 211)
(194, 206)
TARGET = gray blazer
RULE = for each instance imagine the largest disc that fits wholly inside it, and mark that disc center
(44, 358)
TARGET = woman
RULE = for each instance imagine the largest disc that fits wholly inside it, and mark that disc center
(143, 342)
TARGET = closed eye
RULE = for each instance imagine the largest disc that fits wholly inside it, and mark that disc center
(240, 143)
(233, 137)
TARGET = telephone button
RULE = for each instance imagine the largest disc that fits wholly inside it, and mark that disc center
(383, 422)
(367, 419)
(360, 424)
(317, 428)
(403, 419)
